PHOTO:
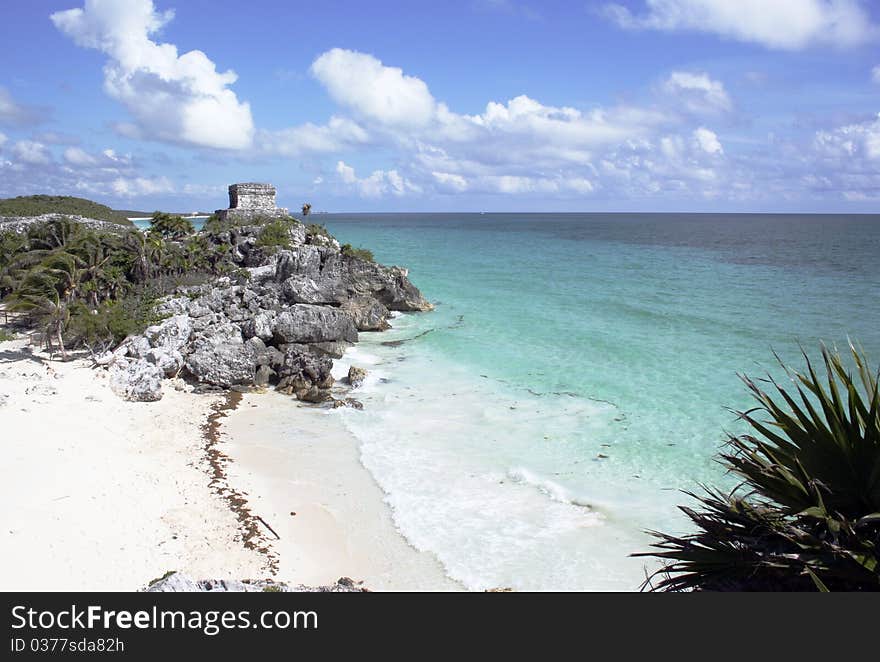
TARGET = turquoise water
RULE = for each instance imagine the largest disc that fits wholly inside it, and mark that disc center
(560, 339)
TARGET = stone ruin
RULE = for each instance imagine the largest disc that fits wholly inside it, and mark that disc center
(251, 201)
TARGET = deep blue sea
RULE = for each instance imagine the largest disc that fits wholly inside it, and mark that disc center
(577, 371)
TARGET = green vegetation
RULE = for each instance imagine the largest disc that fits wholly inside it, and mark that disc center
(807, 514)
(359, 253)
(272, 588)
(213, 224)
(275, 235)
(91, 288)
(6, 335)
(317, 230)
(170, 227)
(36, 205)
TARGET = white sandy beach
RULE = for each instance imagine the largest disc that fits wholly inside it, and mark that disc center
(102, 494)
(292, 458)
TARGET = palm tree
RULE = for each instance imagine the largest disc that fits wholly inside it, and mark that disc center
(306, 209)
(807, 514)
(39, 297)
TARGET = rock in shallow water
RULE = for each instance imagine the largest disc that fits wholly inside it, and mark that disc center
(356, 376)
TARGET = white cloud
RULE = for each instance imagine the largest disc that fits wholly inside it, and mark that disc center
(3, 139)
(875, 74)
(378, 184)
(778, 24)
(34, 153)
(378, 92)
(708, 141)
(697, 92)
(517, 147)
(77, 156)
(860, 140)
(174, 98)
(338, 134)
(452, 182)
(141, 186)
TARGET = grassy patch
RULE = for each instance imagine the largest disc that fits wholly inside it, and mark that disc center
(36, 205)
(359, 253)
(6, 335)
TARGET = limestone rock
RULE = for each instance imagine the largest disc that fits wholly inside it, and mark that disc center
(367, 313)
(171, 334)
(138, 381)
(304, 323)
(356, 376)
(224, 365)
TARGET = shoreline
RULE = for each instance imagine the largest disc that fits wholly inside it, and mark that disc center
(104, 494)
(300, 470)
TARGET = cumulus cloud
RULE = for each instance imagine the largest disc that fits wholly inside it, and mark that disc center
(708, 141)
(385, 94)
(78, 156)
(853, 141)
(336, 135)
(31, 152)
(697, 92)
(32, 167)
(781, 24)
(140, 186)
(515, 147)
(172, 97)
(378, 184)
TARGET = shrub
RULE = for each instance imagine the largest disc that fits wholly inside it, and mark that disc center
(358, 253)
(807, 513)
(112, 321)
(317, 230)
(171, 227)
(275, 235)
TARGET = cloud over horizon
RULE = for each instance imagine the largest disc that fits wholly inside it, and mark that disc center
(173, 98)
(781, 24)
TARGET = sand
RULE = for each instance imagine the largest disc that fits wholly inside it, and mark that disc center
(101, 494)
(300, 469)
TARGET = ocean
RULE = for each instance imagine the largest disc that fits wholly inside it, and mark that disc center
(579, 371)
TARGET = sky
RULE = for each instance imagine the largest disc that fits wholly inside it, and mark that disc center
(464, 105)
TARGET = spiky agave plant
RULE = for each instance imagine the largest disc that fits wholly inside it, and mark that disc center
(807, 513)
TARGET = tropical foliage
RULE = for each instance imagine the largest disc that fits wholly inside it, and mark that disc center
(360, 253)
(170, 227)
(807, 514)
(88, 288)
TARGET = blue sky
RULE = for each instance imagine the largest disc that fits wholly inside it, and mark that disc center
(497, 105)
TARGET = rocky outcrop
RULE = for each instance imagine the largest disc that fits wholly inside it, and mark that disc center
(20, 224)
(136, 380)
(282, 326)
(356, 376)
(178, 583)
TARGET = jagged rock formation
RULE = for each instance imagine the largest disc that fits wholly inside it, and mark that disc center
(280, 326)
(178, 583)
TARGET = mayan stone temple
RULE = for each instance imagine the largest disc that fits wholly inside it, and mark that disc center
(250, 201)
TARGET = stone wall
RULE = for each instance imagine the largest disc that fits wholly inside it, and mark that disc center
(251, 202)
(252, 196)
